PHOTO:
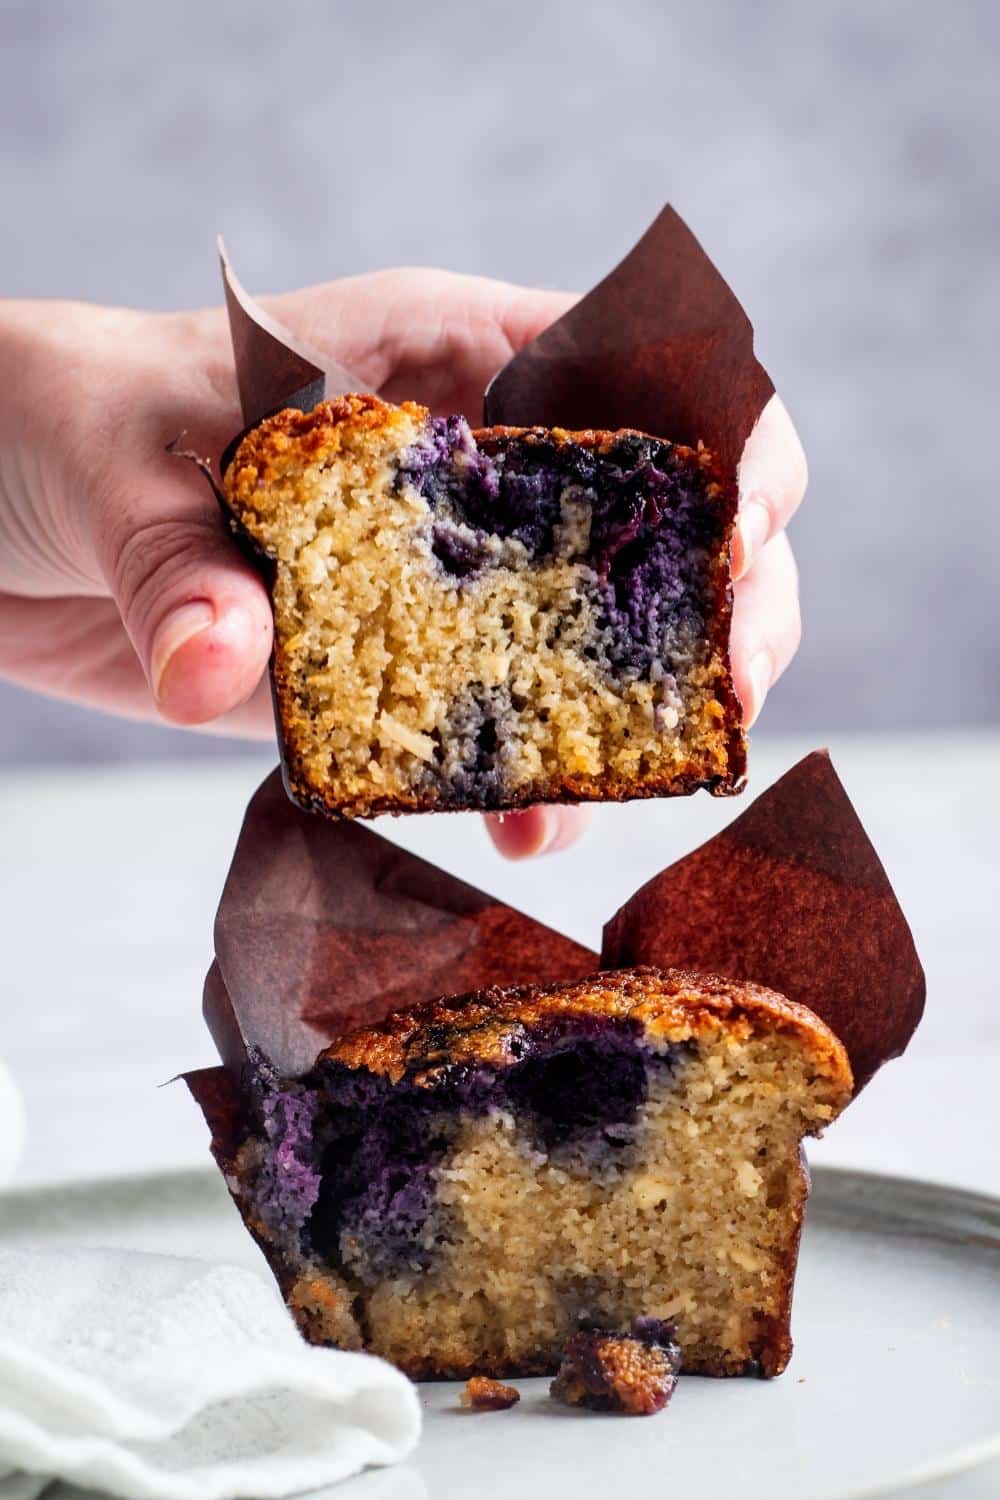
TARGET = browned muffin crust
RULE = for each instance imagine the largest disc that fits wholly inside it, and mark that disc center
(483, 1027)
(279, 445)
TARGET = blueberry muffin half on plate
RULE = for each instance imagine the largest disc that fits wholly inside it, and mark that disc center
(466, 1185)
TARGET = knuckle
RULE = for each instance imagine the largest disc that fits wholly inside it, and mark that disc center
(153, 557)
(789, 634)
(787, 558)
(776, 451)
(767, 615)
(799, 469)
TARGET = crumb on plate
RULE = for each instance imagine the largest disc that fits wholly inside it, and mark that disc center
(480, 1393)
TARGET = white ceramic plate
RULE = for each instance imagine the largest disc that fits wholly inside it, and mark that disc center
(894, 1387)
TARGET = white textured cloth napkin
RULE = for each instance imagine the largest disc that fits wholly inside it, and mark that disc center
(158, 1378)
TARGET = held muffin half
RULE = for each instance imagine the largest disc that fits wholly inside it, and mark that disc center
(489, 619)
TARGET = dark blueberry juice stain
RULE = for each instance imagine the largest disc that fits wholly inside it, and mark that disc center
(376, 1191)
(589, 1083)
(576, 1085)
(472, 725)
(653, 528)
(458, 554)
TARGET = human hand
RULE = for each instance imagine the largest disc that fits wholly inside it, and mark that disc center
(119, 586)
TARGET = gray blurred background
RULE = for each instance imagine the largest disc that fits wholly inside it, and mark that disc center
(840, 163)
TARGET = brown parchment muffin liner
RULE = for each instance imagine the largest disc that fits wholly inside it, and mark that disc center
(324, 927)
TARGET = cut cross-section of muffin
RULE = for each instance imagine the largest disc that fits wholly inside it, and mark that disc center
(463, 1187)
(490, 619)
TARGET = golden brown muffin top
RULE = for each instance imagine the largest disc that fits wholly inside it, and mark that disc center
(671, 1006)
(292, 437)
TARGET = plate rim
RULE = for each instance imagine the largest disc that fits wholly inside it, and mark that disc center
(955, 1213)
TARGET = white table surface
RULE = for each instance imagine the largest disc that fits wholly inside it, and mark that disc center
(109, 880)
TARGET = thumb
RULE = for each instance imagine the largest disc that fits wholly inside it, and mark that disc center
(195, 611)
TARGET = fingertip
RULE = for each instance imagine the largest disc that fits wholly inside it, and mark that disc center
(207, 660)
(536, 830)
(751, 533)
(773, 470)
(572, 822)
(519, 835)
(767, 625)
(753, 684)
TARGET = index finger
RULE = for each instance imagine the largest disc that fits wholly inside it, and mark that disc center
(772, 478)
